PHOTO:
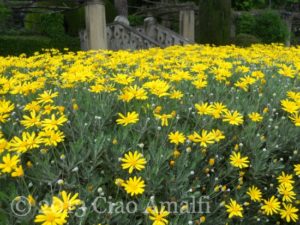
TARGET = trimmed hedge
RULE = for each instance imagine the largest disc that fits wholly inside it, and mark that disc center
(268, 27)
(16, 45)
(246, 40)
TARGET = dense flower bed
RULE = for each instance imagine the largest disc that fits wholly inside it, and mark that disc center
(149, 137)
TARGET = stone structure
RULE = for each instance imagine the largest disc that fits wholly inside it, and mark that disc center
(164, 36)
(187, 24)
(122, 19)
(288, 18)
(95, 24)
(120, 35)
(83, 40)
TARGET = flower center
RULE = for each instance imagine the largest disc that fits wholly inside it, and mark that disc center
(50, 217)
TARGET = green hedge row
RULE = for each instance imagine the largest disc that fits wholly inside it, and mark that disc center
(16, 45)
(267, 27)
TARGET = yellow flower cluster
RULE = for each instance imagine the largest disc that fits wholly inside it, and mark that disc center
(57, 212)
(272, 205)
(206, 138)
(216, 121)
(41, 131)
(292, 106)
(134, 185)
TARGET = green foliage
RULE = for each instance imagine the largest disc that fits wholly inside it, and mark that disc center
(5, 15)
(32, 21)
(110, 11)
(245, 24)
(214, 22)
(16, 45)
(74, 21)
(283, 3)
(4, 12)
(248, 4)
(246, 40)
(270, 28)
(295, 39)
(52, 25)
(243, 5)
(135, 20)
(261, 4)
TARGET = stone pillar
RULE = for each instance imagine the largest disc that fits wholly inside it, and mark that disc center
(95, 24)
(289, 22)
(121, 7)
(232, 31)
(149, 26)
(187, 24)
(83, 40)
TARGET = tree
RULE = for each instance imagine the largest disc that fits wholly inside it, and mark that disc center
(121, 7)
(214, 21)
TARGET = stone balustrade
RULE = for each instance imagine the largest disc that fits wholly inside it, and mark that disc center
(120, 35)
(163, 35)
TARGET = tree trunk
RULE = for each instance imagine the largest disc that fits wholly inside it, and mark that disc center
(214, 22)
(121, 7)
(166, 20)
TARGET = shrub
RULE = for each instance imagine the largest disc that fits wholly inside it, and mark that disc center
(74, 21)
(136, 20)
(110, 11)
(246, 40)
(243, 5)
(33, 21)
(16, 45)
(270, 28)
(248, 4)
(52, 25)
(245, 24)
